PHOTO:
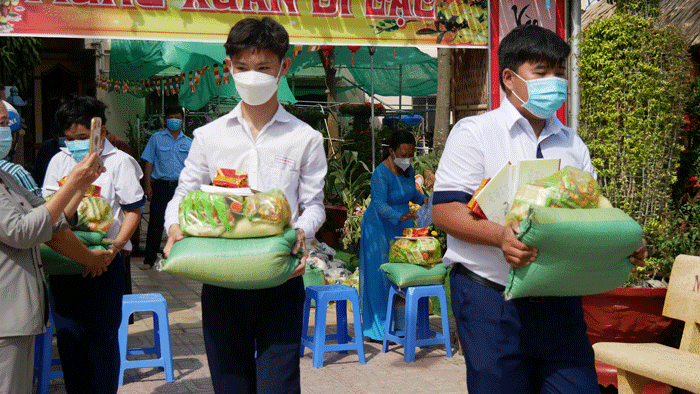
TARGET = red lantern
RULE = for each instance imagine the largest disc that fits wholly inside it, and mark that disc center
(326, 49)
(353, 50)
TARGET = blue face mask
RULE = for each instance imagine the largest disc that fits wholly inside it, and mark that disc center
(544, 95)
(5, 141)
(78, 148)
(174, 124)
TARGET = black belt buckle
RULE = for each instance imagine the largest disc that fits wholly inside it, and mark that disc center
(538, 300)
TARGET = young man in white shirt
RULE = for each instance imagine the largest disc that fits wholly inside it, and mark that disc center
(525, 345)
(279, 151)
(87, 311)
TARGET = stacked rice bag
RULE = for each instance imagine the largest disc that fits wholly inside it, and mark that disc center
(567, 188)
(423, 251)
(204, 214)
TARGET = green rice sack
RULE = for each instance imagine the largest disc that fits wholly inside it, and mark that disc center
(57, 264)
(254, 263)
(404, 274)
(581, 252)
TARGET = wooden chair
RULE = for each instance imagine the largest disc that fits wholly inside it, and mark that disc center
(638, 363)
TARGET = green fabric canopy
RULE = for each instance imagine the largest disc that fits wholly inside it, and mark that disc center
(397, 71)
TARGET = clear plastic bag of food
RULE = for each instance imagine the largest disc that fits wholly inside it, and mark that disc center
(415, 250)
(567, 188)
(94, 214)
(204, 214)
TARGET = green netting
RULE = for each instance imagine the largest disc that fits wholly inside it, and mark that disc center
(397, 71)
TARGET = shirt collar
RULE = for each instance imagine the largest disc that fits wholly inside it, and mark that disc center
(512, 117)
(167, 131)
(280, 116)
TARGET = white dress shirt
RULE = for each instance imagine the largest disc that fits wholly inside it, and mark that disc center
(287, 154)
(119, 184)
(477, 148)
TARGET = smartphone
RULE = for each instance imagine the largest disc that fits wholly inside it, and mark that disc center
(95, 134)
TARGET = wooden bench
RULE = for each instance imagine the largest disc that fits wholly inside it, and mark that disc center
(639, 363)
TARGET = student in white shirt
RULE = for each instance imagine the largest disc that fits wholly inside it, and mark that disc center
(279, 151)
(87, 311)
(532, 344)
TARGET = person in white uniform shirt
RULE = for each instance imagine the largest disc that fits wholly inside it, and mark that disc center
(87, 311)
(279, 151)
(530, 344)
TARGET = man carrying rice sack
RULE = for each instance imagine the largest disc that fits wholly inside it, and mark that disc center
(276, 150)
(87, 311)
(528, 344)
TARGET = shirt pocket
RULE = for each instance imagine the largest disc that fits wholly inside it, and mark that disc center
(182, 150)
(283, 177)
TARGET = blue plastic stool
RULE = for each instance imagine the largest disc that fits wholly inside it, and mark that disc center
(43, 361)
(416, 315)
(155, 303)
(322, 295)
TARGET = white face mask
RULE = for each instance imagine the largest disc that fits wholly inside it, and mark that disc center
(254, 87)
(402, 162)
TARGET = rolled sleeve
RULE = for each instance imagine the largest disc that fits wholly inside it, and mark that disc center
(149, 153)
(128, 190)
(311, 181)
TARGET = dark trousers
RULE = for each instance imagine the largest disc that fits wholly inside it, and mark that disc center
(87, 313)
(237, 323)
(525, 345)
(162, 194)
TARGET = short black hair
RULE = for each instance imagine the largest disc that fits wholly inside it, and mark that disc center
(530, 43)
(264, 34)
(79, 110)
(174, 110)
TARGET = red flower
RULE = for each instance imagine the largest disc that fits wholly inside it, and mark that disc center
(693, 178)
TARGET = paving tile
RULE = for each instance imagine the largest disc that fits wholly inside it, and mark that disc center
(382, 373)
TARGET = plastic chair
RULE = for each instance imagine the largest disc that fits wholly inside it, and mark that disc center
(155, 303)
(43, 361)
(417, 315)
(322, 295)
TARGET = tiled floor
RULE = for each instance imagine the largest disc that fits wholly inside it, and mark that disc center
(432, 372)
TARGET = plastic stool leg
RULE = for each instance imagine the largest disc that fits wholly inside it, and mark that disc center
(341, 317)
(45, 342)
(359, 337)
(423, 318)
(319, 332)
(305, 332)
(445, 324)
(389, 318)
(409, 350)
(164, 346)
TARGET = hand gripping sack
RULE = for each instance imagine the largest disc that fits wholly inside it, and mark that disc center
(57, 264)
(204, 214)
(254, 263)
(581, 252)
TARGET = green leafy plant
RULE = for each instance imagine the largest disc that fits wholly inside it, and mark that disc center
(347, 180)
(353, 224)
(632, 82)
(18, 58)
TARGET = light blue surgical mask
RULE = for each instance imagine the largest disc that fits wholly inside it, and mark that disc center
(544, 95)
(78, 148)
(5, 141)
(174, 124)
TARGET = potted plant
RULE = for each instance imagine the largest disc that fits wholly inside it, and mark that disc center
(347, 185)
(632, 73)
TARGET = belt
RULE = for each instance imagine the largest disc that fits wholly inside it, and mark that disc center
(464, 271)
(165, 182)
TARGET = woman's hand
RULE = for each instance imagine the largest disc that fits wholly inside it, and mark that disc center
(86, 171)
(637, 258)
(408, 216)
(300, 245)
(516, 253)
